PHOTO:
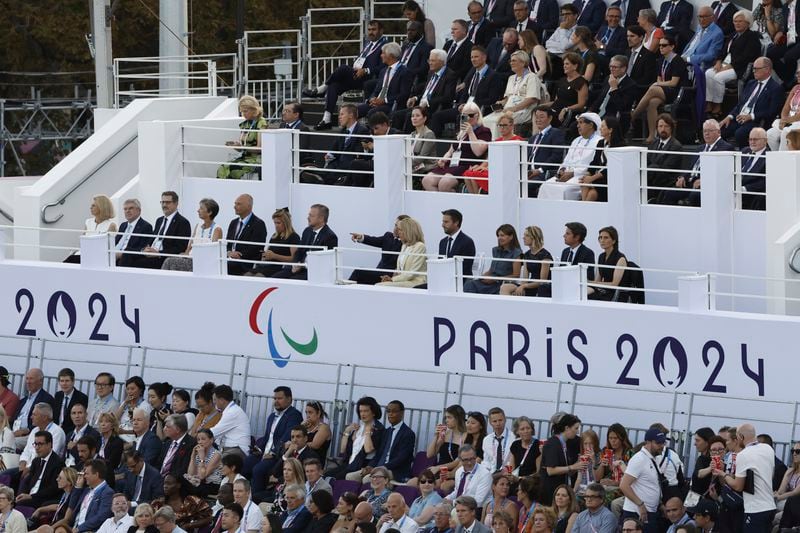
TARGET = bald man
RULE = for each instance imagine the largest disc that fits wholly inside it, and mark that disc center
(396, 517)
(363, 513)
(707, 42)
(246, 237)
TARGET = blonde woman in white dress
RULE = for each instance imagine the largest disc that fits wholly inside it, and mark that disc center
(412, 262)
(523, 92)
(101, 221)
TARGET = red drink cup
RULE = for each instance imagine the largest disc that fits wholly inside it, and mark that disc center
(584, 458)
(509, 469)
(443, 473)
(541, 444)
(608, 455)
(717, 462)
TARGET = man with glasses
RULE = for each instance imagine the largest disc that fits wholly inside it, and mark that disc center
(471, 479)
(441, 518)
(754, 170)
(104, 401)
(597, 518)
(707, 42)
(617, 94)
(42, 421)
(610, 38)
(499, 51)
(632, 525)
(758, 104)
(40, 485)
(479, 31)
(172, 232)
(560, 41)
(133, 234)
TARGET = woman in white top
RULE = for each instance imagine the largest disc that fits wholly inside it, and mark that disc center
(206, 231)
(11, 520)
(101, 221)
(7, 445)
(523, 92)
(412, 262)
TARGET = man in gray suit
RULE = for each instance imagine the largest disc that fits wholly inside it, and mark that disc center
(465, 513)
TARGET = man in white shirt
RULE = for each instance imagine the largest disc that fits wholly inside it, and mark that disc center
(641, 484)
(164, 520)
(121, 521)
(104, 401)
(251, 516)
(497, 445)
(42, 417)
(466, 508)
(233, 429)
(471, 478)
(396, 517)
(756, 460)
(560, 41)
(565, 185)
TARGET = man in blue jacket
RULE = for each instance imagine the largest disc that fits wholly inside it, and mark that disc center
(95, 498)
(707, 42)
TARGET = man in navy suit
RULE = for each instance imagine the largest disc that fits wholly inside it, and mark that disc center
(544, 17)
(458, 49)
(723, 15)
(95, 498)
(318, 234)
(393, 87)
(479, 30)
(132, 235)
(590, 13)
(500, 13)
(350, 143)
(522, 14)
(145, 442)
(80, 429)
(435, 93)
(388, 243)
(630, 10)
(456, 242)
(278, 432)
(616, 96)
(576, 252)
(297, 448)
(23, 423)
(396, 451)
(245, 227)
(690, 182)
(543, 157)
(143, 483)
(67, 390)
(758, 105)
(754, 162)
(499, 51)
(611, 37)
(642, 66)
(481, 86)
(39, 486)
(171, 224)
(351, 77)
(415, 51)
(176, 451)
(675, 16)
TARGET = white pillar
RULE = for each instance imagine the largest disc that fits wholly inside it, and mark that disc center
(783, 231)
(160, 164)
(442, 276)
(207, 259)
(693, 293)
(390, 164)
(95, 251)
(717, 205)
(568, 283)
(173, 30)
(321, 266)
(624, 197)
(276, 163)
(505, 172)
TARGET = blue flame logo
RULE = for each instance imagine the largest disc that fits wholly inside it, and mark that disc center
(660, 361)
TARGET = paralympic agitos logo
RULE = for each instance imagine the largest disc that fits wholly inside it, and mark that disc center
(280, 360)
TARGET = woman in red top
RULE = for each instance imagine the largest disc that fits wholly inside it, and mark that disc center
(481, 186)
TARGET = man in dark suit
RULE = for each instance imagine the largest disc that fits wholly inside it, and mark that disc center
(176, 451)
(67, 390)
(415, 51)
(467, 519)
(456, 242)
(543, 158)
(133, 234)
(246, 227)
(458, 49)
(351, 77)
(435, 93)
(590, 13)
(363, 167)
(544, 17)
(689, 183)
(642, 63)
(723, 15)
(500, 14)
(630, 10)
(657, 159)
(616, 97)
(396, 450)
(39, 486)
(754, 170)
(145, 442)
(675, 16)
(576, 252)
(388, 242)
(80, 429)
(480, 30)
(171, 224)
(278, 431)
(23, 422)
(522, 14)
(95, 498)
(318, 234)
(611, 37)
(393, 87)
(143, 483)
(758, 105)
(499, 51)
(297, 449)
(481, 86)
(350, 143)
(292, 119)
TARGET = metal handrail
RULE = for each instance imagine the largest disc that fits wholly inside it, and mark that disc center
(791, 261)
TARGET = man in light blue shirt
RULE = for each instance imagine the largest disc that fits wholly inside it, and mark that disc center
(596, 518)
(676, 514)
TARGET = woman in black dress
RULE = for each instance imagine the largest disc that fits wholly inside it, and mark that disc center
(611, 263)
(525, 454)
(443, 448)
(572, 92)
(281, 247)
(598, 172)
(583, 39)
(537, 261)
(560, 461)
(672, 75)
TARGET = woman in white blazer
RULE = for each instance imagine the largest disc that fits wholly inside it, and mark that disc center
(412, 261)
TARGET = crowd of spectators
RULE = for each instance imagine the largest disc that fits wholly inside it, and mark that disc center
(480, 473)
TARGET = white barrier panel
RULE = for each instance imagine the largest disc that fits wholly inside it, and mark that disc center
(649, 347)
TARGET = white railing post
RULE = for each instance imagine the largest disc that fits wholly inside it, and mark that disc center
(321, 266)
(568, 282)
(276, 167)
(783, 231)
(160, 161)
(505, 175)
(390, 164)
(4, 254)
(624, 196)
(442, 275)
(717, 203)
(693, 293)
(95, 251)
(207, 259)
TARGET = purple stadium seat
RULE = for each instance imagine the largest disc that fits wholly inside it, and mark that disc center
(409, 493)
(421, 462)
(340, 486)
(26, 511)
(5, 479)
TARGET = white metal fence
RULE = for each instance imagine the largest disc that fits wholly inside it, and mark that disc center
(272, 67)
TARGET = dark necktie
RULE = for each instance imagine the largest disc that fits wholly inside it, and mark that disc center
(170, 458)
(314, 240)
(163, 229)
(717, 11)
(462, 484)
(571, 256)
(452, 51)
(137, 491)
(449, 245)
(498, 462)
(64, 410)
(473, 86)
(607, 36)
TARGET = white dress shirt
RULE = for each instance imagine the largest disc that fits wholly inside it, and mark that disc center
(233, 428)
(59, 443)
(120, 526)
(478, 484)
(403, 525)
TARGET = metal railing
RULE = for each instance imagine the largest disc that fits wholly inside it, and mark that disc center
(272, 67)
(333, 43)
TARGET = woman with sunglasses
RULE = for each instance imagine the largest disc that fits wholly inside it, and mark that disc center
(319, 432)
(422, 508)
